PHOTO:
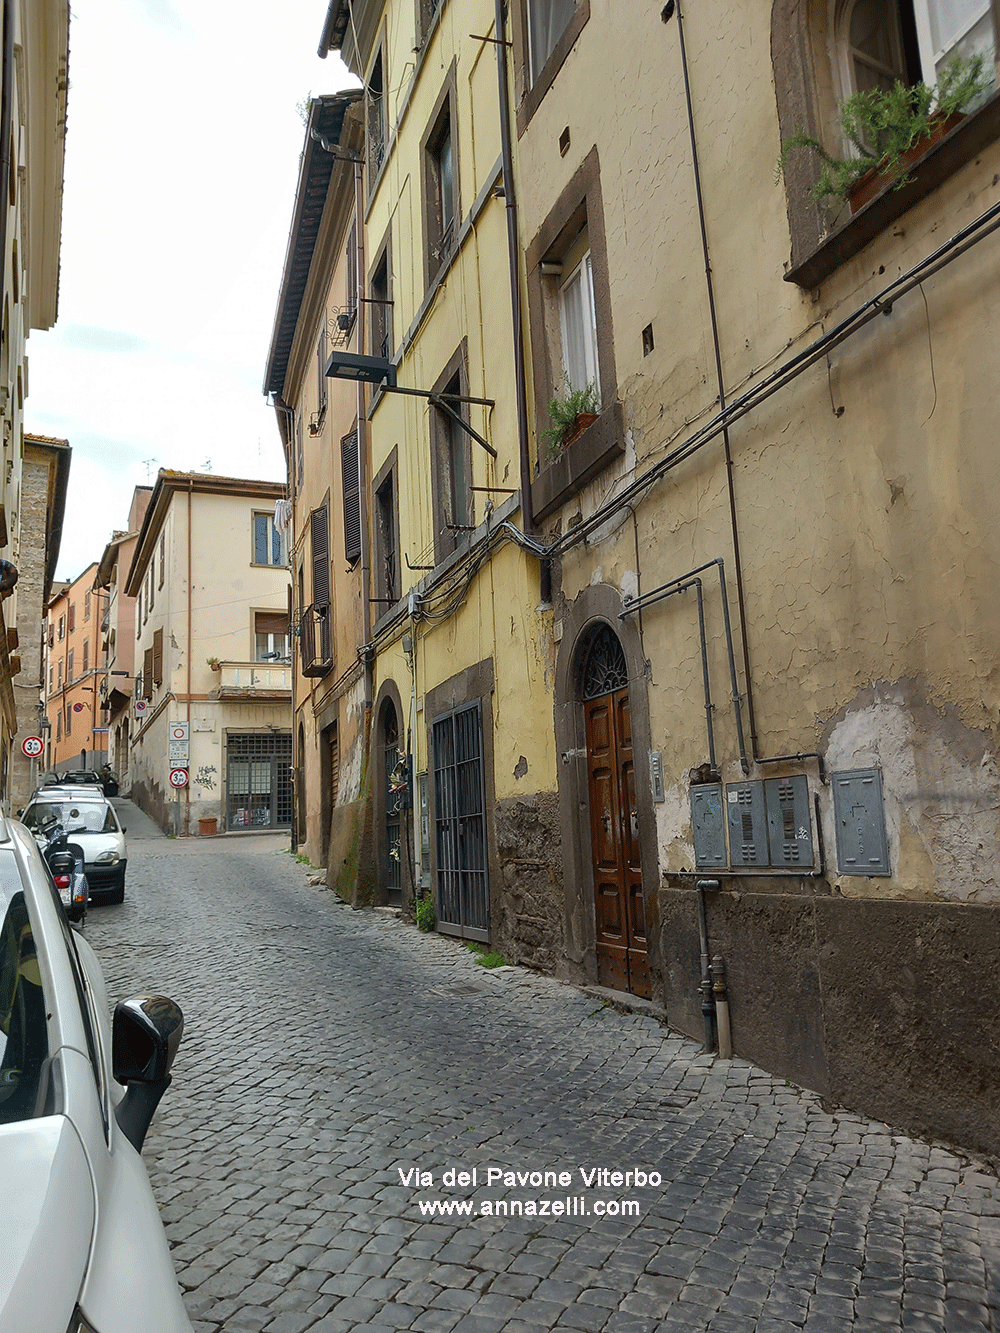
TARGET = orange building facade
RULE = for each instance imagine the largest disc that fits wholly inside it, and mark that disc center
(76, 738)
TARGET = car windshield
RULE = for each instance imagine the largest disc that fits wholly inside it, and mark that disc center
(75, 816)
(24, 1043)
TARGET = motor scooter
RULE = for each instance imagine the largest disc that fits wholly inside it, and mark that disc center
(65, 861)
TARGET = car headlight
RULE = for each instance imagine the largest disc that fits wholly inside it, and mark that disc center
(107, 859)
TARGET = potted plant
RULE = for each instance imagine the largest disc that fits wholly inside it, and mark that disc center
(214, 663)
(571, 415)
(889, 131)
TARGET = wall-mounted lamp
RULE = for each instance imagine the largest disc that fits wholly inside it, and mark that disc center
(371, 369)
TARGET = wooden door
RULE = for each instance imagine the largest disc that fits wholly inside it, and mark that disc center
(622, 962)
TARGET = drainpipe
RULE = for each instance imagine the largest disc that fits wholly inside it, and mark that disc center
(287, 416)
(707, 988)
(187, 789)
(513, 258)
(5, 120)
(722, 1007)
(720, 381)
(359, 231)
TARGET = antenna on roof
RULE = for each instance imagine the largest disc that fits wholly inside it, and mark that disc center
(148, 463)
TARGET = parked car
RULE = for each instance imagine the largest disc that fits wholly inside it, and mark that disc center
(83, 1244)
(91, 823)
(74, 777)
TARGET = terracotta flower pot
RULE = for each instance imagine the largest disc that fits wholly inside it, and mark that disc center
(580, 424)
(873, 182)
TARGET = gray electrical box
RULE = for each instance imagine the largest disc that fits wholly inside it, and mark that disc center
(789, 826)
(747, 820)
(859, 812)
(709, 825)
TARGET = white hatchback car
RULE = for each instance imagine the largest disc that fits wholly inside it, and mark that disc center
(91, 823)
(83, 1245)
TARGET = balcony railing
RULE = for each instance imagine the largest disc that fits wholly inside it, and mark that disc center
(316, 641)
(255, 678)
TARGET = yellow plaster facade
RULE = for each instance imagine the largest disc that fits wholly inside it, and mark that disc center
(763, 572)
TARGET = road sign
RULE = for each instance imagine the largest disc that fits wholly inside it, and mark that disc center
(180, 756)
(78, 708)
(32, 746)
(178, 778)
(140, 707)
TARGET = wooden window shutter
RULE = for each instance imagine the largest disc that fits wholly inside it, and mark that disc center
(352, 496)
(157, 656)
(321, 557)
(147, 674)
(270, 622)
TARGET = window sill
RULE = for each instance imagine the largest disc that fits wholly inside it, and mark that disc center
(600, 444)
(965, 142)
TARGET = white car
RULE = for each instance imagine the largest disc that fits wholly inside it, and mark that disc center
(83, 1246)
(91, 823)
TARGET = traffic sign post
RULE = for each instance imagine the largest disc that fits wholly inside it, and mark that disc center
(178, 780)
(32, 747)
(178, 743)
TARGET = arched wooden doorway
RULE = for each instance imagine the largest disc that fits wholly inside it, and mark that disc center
(620, 919)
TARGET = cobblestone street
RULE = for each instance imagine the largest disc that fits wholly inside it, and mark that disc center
(331, 1056)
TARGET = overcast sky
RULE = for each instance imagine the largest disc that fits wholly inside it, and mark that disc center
(182, 157)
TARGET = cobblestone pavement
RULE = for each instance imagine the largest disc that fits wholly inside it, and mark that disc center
(329, 1052)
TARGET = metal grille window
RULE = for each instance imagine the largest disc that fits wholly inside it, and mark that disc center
(604, 670)
(258, 780)
(460, 824)
(376, 118)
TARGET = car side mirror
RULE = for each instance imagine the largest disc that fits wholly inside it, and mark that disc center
(145, 1035)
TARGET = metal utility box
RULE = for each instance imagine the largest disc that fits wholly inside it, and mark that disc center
(859, 812)
(709, 826)
(789, 827)
(656, 776)
(747, 819)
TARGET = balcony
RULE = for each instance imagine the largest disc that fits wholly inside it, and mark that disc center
(316, 641)
(255, 680)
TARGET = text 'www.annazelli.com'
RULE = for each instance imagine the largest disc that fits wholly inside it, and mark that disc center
(576, 1205)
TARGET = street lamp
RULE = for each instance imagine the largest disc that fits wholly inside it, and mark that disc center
(377, 370)
(370, 369)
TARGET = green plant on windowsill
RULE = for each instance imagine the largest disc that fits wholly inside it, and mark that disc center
(889, 129)
(564, 413)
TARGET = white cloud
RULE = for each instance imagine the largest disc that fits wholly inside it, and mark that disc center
(182, 157)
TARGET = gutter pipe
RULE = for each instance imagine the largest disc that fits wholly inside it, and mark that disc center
(721, 384)
(706, 987)
(514, 258)
(666, 590)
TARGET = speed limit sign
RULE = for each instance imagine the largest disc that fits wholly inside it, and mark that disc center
(32, 746)
(178, 777)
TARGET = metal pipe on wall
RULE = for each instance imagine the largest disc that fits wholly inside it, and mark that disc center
(706, 987)
(721, 384)
(666, 590)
